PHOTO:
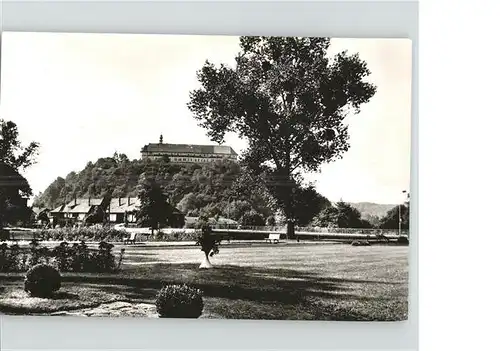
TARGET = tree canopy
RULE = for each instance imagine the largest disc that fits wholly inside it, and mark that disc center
(340, 215)
(12, 152)
(391, 219)
(289, 100)
(155, 210)
(14, 188)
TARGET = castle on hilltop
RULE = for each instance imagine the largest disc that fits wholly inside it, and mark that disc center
(183, 153)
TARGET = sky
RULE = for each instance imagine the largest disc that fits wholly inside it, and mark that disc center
(85, 96)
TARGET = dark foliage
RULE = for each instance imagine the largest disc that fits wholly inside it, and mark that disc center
(103, 259)
(341, 215)
(14, 191)
(179, 301)
(403, 240)
(75, 258)
(14, 188)
(42, 280)
(208, 242)
(391, 219)
(155, 211)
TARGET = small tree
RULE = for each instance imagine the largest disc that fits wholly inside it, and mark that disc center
(154, 211)
(209, 243)
(252, 218)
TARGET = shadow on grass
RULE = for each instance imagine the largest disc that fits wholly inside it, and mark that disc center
(64, 295)
(265, 287)
(283, 286)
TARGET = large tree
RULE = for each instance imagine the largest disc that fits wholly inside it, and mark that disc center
(12, 152)
(14, 188)
(289, 100)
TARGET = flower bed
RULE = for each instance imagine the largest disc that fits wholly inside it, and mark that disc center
(67, 258)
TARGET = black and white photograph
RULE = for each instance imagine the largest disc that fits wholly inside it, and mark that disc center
(205, 177)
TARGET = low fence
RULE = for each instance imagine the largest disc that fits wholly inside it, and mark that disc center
(326, 230)
(182, 234)
(248, 234)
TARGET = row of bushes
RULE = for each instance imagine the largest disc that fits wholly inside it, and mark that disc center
(94, 233)
(374, 231)
(67, 258)
(178, 235)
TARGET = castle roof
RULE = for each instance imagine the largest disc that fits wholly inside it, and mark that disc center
(186, 148)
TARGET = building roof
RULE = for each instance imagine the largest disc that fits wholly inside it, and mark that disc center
(83, 205)
(121, 205)
(117, 205)
(38, 210)
(185, 148)
(58, 209)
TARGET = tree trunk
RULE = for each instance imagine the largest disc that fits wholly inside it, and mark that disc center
(206, 262)
(290, 229)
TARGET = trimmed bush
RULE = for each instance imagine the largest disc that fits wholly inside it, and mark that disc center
(179, 301)
(403, 240)
(42, 280)
(4, 234)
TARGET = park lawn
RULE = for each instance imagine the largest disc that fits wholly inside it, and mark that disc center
(13, 300)
(307, 281)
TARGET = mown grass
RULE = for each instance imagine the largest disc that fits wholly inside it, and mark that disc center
(13, 300)
(312, 282)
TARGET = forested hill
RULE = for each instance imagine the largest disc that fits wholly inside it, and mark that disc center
(372, 209)
(216, 188)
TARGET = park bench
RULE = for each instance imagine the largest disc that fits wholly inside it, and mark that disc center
(130, 239)
(273, 238)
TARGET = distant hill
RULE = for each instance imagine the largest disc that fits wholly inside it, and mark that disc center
(372, 209)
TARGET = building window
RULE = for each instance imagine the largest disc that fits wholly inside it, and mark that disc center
(112, 217)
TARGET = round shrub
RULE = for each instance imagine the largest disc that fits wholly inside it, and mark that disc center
(403, 240)
(42, 280)
(179, 301)
(4, 234)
